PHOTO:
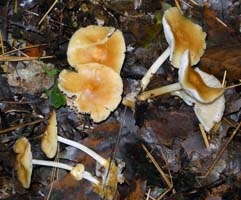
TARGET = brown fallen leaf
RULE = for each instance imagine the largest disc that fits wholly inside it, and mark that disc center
(138, 192)
(218, 59)
(168, 125)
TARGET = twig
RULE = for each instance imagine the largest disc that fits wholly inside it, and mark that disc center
(21, 126)
(221, 22)
(224, 78)
(21, 58)
(204, 136)
(178, 5)
(23, 48)
(194, 2)
(148, 194)
(51, 7)
(220, 153)
(233, 86)
(163, 194)
(150, 197)
(167, 181)
(1, 39)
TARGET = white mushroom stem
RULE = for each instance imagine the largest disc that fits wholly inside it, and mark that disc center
(86, 175)
(159, 91)
(102, 161)
(153, 69)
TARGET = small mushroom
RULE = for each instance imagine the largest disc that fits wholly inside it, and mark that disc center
(24, 165)
(109, 171)
(96, 44)
(190, 81)
(181, 34)
(49, 140)
(97, 88)
(207, 113)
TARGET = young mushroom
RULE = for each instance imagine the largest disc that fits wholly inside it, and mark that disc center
(190, 81)
(24, 165)
(181, 34)
(207, 113)
(96, 44)
(97, 89)
(112, 173)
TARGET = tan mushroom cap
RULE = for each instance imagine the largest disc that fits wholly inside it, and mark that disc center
(97, 87)
(49, 141)
(207, 113)
(193, 83)
(182, 34)
(96, 44)
(77, 172)
(24, 161)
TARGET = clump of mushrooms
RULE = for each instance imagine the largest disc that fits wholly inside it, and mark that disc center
(25, 162)
(181, 34)
(97, 54)
(109, 171)
(190, 81)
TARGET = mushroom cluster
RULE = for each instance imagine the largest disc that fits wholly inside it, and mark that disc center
(97, 54)
(108, 172)
(186, 45)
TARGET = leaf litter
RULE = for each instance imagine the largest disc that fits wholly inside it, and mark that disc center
(165, 125)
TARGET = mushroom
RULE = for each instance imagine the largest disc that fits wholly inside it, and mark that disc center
(190, 81)
(24, 165)
(207, 113)
(97, 88)
(96, 44)
(181, 34)
(112, 173)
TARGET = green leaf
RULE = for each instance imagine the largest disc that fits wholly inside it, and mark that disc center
(57, 99)
(50, 72)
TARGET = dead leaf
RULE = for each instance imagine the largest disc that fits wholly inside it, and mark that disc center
(138, 192)
(168, 125)
(218, 59)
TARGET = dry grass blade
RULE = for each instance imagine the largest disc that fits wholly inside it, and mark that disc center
(21, 58)
(224, 78)
(220, 153)
(23, 48)
(163, 175)
(204, 136)
(21, 126)
(1, 40)
(51, 7)
(163, 194)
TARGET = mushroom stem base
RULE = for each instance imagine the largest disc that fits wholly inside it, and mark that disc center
(153, 69)
(159, 91)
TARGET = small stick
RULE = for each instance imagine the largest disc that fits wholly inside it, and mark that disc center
(150, 197)
(21, 126)
(233, 86)
(221, 22)
(167, 181)
(148, 194)
(51, 7)
(178, 5)
(163, 194)
(21, 58)
(194, 2)
(204, 136)
(23, 48)
(1, 39)
(224, 78)
(220, 153)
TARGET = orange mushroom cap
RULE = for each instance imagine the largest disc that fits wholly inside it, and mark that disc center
(97, 87)
(182, 34)
(193, 83)
(24, 161)
(96, 44)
